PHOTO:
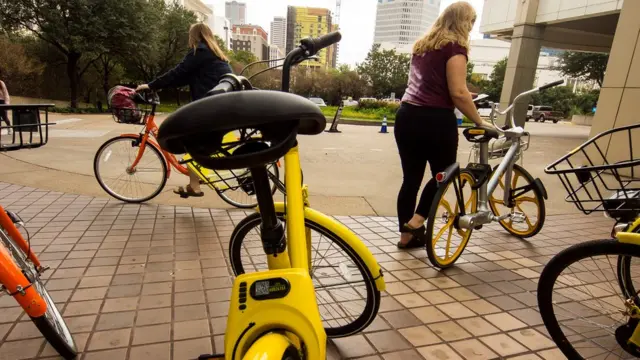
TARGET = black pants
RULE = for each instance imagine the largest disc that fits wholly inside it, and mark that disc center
(3, 114)
(423, 134)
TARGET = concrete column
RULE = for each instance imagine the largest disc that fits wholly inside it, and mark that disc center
(618, 103)
(523, 59)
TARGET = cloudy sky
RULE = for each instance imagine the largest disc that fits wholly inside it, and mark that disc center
(357, 20)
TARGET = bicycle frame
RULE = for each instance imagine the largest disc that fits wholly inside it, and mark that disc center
(151, 129)
(12, 279)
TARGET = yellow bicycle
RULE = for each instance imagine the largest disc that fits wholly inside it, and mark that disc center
(274, 314)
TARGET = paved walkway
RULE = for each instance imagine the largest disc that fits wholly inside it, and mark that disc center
(149, 281)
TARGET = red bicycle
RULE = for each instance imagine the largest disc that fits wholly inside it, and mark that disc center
(133, 168)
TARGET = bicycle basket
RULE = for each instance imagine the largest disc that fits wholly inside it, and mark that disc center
(123, 107)
(129, 116)
(603, 173)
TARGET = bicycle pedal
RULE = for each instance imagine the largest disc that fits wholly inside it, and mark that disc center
(479, 227)
(518, 218)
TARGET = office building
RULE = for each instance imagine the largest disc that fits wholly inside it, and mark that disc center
(236, 12)
(279, 32)
(400, 23)
(303, 22)
(203, 12)
(251, 38)
(221, 26)
(275, 52)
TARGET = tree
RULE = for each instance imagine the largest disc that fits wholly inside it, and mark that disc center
(243, 57)
(561, 98)
(493, 87)
(470, 67)
(78, 29)
(584, 66)
(166, 43)
(19, 70)
(386, 71)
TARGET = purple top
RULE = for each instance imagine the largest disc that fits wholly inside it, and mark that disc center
(428, 77)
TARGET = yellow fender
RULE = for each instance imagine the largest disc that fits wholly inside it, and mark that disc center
(271, 346)
(348, 236)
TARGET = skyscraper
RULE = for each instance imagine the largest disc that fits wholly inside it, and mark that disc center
(236, 12)
(303, 22)
(401, 23)
(279, 32)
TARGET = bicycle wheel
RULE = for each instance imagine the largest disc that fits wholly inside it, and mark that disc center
(528, 214)
(586, 298)
(236, 186)
(112, 163)
(345, 289)
(447, 244)
(51, 324)
(625, 275)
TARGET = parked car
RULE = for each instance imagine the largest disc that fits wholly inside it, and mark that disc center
(318, 101)
(544, 113)
(529, 113)
(349, 102)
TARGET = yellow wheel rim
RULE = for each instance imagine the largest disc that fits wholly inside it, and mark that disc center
(527, 204)
(448, 242)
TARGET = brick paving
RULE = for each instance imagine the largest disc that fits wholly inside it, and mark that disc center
(149, 281)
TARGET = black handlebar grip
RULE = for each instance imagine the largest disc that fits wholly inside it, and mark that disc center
(223, 87)
(313, 45)
(550, 85)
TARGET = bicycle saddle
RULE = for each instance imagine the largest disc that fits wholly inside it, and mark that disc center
(198, 128)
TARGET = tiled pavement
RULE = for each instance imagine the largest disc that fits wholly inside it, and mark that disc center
(147, 281)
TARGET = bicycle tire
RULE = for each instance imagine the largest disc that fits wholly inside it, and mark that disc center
(431, 251)
(51, 325)
(542, 211)
(241, 205)
(108, 190)
(373, 294)
(625, 280)
(553, 270)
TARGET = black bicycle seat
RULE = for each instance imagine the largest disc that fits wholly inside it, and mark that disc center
(480, 134)
(198, 128)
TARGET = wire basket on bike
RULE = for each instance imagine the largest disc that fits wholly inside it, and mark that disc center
(602, 174)
(123, 106)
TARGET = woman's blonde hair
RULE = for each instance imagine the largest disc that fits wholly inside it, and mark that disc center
(454, 25)
(201, 32)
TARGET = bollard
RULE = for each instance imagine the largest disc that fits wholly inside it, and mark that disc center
(383, 128)
(336, 120)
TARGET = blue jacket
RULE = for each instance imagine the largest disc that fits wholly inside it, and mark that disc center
(200, 69)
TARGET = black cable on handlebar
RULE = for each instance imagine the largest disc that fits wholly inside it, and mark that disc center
(258, 62)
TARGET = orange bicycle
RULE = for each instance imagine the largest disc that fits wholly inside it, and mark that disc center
(133, 168)
(20, 272)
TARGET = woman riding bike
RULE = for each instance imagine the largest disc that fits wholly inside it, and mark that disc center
(201, 69)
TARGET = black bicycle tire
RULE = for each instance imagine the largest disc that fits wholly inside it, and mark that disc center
(555, 267)
(625, 281)
(238, 205)
(538, 193)
(116, 196)
(431, 222)
(373, 294)
(46, 328)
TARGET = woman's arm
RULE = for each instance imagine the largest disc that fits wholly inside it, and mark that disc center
(178, 76)
(5, 93)
(457, 82)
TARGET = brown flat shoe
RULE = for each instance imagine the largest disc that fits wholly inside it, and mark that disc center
(418, 237)
(187, 191)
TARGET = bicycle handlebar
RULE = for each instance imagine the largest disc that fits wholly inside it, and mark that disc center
(494, 107)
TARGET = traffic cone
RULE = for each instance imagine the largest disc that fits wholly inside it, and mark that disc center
(383, 128)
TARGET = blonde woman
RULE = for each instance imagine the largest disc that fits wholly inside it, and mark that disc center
(426, 127)
(201, 69)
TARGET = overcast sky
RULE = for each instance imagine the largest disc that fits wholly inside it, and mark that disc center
(357, 20)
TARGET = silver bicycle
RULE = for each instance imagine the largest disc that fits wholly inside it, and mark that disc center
(468, 198)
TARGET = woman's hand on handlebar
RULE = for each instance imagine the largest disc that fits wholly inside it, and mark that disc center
(143, 87)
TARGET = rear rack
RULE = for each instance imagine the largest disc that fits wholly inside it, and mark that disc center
(26, 118)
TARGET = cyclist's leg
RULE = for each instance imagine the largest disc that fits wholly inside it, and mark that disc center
(413, 164)
(441, 149)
